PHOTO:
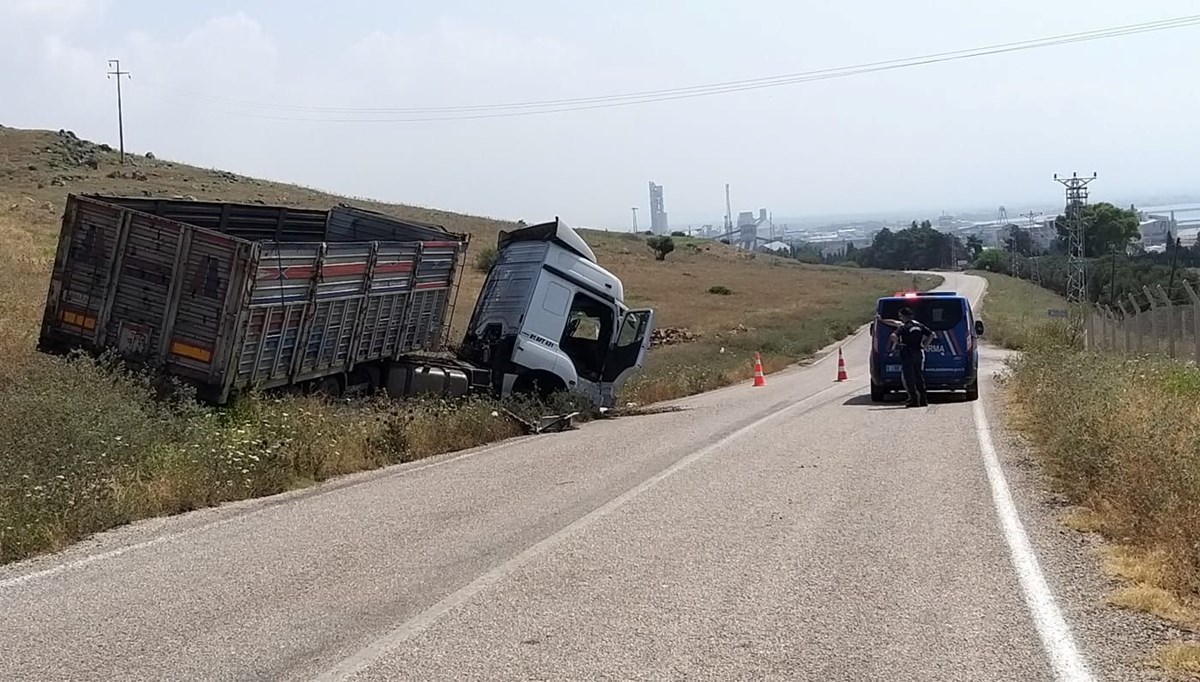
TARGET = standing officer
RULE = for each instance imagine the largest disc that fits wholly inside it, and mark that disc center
(912, 337)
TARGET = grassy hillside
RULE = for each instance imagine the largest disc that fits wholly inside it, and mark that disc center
(85, 447)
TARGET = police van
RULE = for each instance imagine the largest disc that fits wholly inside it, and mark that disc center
(951, 359)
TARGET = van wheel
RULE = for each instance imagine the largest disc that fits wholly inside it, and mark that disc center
(973, 392)
(877, 394)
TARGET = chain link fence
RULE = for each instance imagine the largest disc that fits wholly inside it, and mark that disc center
(1148, 324)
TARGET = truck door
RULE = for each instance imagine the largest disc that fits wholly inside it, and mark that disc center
(628, 352)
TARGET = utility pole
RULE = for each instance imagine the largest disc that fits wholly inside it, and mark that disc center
(115, 64)
(1077, 197)
(635, 227)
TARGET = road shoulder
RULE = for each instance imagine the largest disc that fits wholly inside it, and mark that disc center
(1115, 642)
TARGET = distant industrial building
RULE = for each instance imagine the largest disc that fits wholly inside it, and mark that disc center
(658, 212)
(754, 231)
(1155, 229)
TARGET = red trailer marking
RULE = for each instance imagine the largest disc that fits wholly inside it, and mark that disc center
(389, 268)
(344, 269)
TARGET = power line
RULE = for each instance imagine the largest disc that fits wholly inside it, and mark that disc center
(506, 110)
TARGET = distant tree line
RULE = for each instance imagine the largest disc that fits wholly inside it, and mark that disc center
(1116, 266)
(918, 247)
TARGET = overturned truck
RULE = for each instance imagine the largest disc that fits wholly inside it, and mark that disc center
(233, 297)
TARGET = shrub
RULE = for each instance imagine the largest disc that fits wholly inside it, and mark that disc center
(720, 290)
(486, 258)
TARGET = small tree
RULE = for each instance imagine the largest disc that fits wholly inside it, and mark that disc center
(661, 246)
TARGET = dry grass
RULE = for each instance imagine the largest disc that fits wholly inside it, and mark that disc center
(1182, 658)
(85, 446)
(1082, 520)
(1120, 437)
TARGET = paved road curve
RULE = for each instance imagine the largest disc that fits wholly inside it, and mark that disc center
(788, 532)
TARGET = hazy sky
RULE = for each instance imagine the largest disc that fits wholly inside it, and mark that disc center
(978, 132)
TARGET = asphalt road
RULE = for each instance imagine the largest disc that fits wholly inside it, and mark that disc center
(790, 532)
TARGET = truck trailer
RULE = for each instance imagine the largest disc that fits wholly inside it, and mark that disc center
(237, 297)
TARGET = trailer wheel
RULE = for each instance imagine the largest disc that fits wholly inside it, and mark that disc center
(329, 387)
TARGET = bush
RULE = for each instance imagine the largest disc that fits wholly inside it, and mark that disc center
(677, 233)
(720, 290)
(661, 246)
(486, 258)
(992, 261)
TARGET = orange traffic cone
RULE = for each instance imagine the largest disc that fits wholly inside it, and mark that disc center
(842, 376)
(759, 380)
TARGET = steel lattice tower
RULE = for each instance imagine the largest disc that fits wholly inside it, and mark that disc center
(1077, 197)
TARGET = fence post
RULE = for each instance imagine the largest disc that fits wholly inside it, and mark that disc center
(1153, 319)
(1137, 321)
(1110, 317)
(1195, 319)
(1127, 325)
(1171, 332)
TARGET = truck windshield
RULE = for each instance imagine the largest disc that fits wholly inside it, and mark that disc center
(939, 314)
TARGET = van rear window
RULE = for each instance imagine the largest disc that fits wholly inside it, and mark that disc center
(937, 314)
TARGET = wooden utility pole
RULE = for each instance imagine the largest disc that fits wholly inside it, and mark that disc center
(116, 71)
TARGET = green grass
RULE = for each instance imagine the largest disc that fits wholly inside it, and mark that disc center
(1015, 309)
(782, 339)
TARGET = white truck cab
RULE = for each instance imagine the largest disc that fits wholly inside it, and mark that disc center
(550, 318)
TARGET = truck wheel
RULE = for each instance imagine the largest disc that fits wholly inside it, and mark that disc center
(329, 387)
(973, 392)
(877, 394)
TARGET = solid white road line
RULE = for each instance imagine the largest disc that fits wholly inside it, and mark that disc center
(1052, 628)
(414, 626)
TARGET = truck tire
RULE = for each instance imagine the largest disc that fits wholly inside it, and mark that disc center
(973, 392)
(877, 394)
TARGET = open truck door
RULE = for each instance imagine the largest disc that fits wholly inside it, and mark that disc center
(628, 352)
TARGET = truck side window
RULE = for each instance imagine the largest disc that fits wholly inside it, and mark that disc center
(586, 334)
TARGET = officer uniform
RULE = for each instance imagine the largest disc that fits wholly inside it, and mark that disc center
(910, 336)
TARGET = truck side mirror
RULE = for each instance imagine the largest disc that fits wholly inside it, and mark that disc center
(978, 327)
